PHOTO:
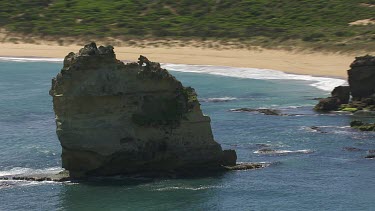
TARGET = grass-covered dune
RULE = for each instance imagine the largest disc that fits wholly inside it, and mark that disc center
(319, 23)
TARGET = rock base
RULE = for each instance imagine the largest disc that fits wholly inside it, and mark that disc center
(64, 176)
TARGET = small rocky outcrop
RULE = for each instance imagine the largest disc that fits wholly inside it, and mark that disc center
(264, 111)
(362, 126)
(328, 104)
(342, 93)
(229, 158)
(352, 149)
(361, 78)
(114, 118)
(370, 154)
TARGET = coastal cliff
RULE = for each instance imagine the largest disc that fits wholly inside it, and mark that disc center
(359, 95)
(115, 118)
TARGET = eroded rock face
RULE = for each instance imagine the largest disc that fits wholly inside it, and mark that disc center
(362, 77)
(328, 104)
(115, 118)
(342, 93)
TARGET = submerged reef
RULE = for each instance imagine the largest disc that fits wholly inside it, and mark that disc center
(362, 126)
(136, 118)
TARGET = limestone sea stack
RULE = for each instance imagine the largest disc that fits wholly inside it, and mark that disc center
(114, 118)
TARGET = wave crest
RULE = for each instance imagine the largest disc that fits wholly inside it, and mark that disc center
(282, 152)
(323, 83)
(31, 59)
(218, 99)
(29, 171)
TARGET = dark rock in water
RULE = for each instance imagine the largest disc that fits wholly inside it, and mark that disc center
(356, 123)
(229, 158)
(372, 156)
(316, 98)
(328, 104)
(266, 151)
(263, 145)
(59, 177)
(362, 126)
(247, 166)
(342, 93)
(114, 118)
(362, 77)
(352, 149)
(317, 129)
(260, 110)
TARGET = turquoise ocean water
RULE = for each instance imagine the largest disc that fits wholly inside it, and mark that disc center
(325, 177)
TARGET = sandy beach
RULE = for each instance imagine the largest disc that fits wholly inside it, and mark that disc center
(317, 64)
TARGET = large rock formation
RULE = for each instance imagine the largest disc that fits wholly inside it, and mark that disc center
(115, 118)
(362, 77)
(361, 88)
(339, 95)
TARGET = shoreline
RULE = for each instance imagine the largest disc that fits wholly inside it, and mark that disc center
(300, 63)
(325, 83)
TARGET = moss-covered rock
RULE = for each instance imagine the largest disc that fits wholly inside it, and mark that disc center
(350, 109)
(362, 126)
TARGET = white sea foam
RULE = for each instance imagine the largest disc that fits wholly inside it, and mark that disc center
(187, 188)
(29, 171)
(31, 59)
(218, 99)
(323, 83)
(303, 151)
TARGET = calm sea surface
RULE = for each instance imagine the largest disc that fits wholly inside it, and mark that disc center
(323, 176)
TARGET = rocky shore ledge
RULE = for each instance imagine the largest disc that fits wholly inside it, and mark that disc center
(136, 118)
(64, 176)
(359, 95)
(357, 98)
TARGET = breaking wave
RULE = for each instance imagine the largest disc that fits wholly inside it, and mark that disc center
(323, 83)
(31, 59)
(29, 171)
(283, 152)
(187, 188)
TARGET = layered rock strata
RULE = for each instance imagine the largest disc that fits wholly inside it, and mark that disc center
(361, 89)
(115, 118)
